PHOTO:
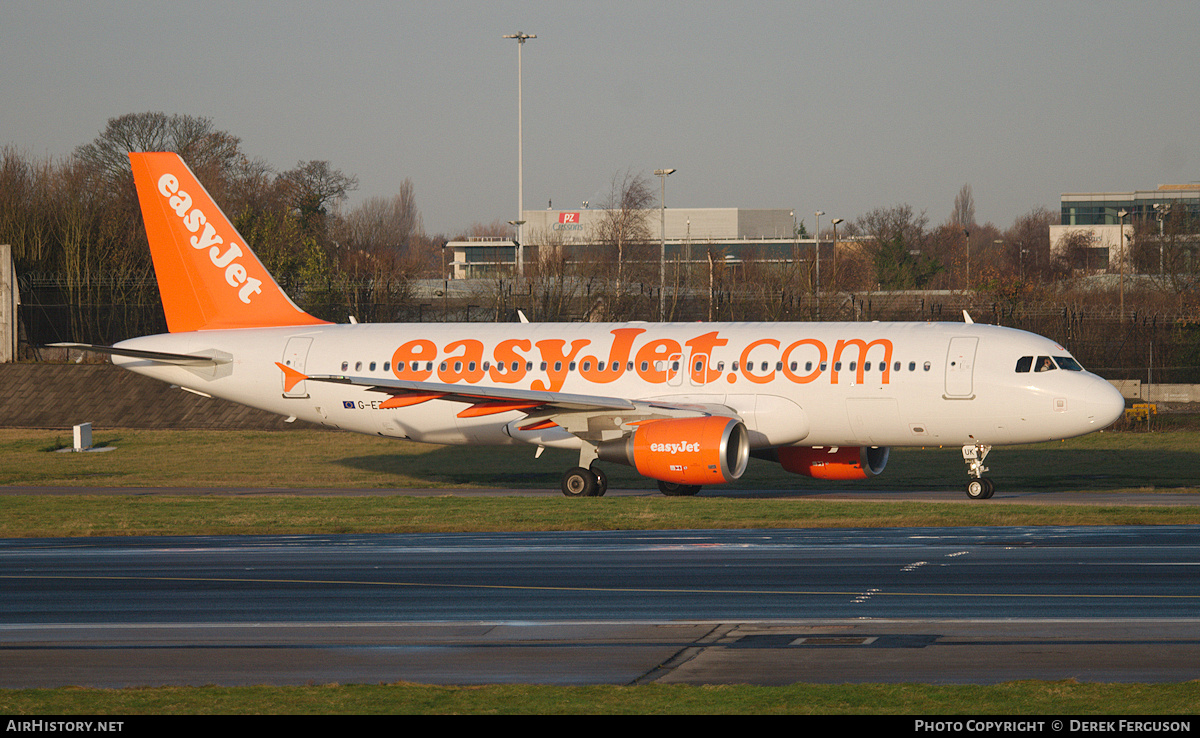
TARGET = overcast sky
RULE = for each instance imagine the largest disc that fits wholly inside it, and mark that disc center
(838, 106)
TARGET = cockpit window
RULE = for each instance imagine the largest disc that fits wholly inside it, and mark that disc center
(1025, 363)
(1066, 362)
(1045, 364)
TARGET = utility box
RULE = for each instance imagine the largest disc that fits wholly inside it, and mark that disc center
(83, 436)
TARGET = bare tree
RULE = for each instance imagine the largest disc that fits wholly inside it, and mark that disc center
(1027, 245)
(205, 149)
(964, 208)
(625, 222)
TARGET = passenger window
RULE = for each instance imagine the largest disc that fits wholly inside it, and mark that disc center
(928, 366)
(912, 366)
(345, 365)
(1044, 364)
(1025, 363)
(372, 366)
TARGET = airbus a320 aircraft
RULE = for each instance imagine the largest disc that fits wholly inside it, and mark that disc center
(685, 404)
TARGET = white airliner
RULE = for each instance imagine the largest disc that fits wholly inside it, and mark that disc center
(685, 404)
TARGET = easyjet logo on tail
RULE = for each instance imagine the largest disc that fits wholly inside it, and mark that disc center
(207, 238)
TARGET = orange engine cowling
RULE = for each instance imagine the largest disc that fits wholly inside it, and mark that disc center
(693, 451)
(834, 462)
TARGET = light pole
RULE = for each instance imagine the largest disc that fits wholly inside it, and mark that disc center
(1121, 219)
(967, 234)
(835, 259)
(521, 38)
(1162, 210)
(662, 174)
(516, 224)
(817, 251)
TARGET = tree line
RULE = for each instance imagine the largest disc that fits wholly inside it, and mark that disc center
(77, 234)
(81, 258)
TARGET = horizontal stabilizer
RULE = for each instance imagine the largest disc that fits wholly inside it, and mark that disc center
(160, 357)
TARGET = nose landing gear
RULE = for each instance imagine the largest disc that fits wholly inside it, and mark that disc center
(980, 487)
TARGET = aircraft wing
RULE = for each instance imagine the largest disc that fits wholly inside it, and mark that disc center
(581, 415)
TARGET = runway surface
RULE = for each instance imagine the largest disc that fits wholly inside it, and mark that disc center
(975, 605)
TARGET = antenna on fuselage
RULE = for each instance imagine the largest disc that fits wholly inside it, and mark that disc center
(967, 317)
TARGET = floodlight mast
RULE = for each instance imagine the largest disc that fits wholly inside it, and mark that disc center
(521, 38)
(662, 243)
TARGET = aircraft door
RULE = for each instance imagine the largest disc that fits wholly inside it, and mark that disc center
(960, 368)
(295, 354)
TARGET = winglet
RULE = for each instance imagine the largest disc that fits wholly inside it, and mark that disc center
(207, 275)
(291, 377)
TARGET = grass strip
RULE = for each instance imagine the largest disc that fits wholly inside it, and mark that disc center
(53, 516)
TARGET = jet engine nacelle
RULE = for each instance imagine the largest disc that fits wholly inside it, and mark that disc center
(834, 462)
(691, 451)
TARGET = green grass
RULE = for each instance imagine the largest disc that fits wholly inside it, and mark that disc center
(306, 460)
(321, 459)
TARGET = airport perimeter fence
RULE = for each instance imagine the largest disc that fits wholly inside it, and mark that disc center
(1151, 346)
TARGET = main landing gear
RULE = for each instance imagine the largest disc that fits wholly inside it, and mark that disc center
(671, 489)
(580, 482)
(980, 487)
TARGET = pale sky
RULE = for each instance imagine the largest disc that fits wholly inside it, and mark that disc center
(836, 106)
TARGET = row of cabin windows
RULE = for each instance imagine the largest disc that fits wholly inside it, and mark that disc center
(658, 366)
(1047, 364)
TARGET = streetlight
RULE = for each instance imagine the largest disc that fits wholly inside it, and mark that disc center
(835, 259)
(516, 224)
(1121, 220)
(817, 249)
(968, 236)
(662, 174)
(521, 38)
(1162, 210)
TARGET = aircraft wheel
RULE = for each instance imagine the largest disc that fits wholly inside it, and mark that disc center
(980, 489)
(601, 482)
(671, 489)
(579, 482)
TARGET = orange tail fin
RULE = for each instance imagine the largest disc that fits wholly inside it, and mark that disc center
(208, 277)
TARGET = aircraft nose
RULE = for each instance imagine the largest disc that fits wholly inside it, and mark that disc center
(1105, 405)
